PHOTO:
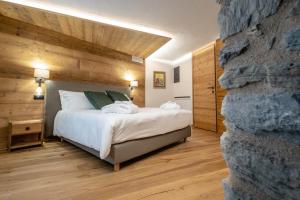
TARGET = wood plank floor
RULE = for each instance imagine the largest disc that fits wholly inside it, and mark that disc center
(191, 170)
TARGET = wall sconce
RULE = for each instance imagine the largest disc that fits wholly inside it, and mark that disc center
(40, 76)
(133, 84)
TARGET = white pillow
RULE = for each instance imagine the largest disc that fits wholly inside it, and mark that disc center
(74, 101)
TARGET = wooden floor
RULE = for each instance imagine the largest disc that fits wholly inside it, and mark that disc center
(192, 170)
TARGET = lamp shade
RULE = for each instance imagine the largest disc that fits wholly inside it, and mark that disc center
(134, 83)
(41, 73)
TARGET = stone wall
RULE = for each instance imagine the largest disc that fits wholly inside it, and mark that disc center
(261, 60)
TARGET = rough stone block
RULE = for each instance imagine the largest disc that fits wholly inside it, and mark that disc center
(254, 31)
(232, 193)
(241, 76)
(292, 39)
(276, 110)
(275, 74)
(271, 42)
(295, 10)
(223, 2)
(264, 165)
(233, 50)
(262, 106)
(238, 15)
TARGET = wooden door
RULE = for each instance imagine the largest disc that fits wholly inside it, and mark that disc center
(204, 99)
(220, 92)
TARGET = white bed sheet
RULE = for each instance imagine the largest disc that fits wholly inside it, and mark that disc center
(99, 131)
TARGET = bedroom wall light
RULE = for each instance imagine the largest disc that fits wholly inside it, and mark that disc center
(39, 64)
(134, 84)
(40, 76)
(128, 76)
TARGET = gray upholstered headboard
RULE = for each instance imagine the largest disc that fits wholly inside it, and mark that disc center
(53, 104)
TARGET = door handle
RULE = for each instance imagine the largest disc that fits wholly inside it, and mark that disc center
(212, 89)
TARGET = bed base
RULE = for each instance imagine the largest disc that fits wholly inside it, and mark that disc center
(131, 149)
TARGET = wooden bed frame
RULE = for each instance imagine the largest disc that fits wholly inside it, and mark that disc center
(119, 152)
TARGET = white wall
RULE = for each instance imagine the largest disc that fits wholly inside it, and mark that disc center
(185, 86)
(156, 97)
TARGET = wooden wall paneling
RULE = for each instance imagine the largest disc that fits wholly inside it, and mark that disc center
(204, 102)
(125, 40)
(33, 32)
(80, 65)
(220, 92)
(84, 62)
(16, 103)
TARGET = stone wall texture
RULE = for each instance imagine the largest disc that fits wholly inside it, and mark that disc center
(261, 61)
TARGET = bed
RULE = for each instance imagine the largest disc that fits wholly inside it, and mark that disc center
(115, 138)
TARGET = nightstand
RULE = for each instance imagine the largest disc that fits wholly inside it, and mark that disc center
(25, 133)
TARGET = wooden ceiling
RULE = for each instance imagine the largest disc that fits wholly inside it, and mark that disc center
(128, 41)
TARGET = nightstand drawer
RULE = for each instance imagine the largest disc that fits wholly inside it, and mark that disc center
(25, 133)
(22, 129)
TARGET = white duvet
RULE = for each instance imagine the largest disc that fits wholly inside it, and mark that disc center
(99, 130)
(121, 107)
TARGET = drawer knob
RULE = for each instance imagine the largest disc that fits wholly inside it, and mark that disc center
(27, 128)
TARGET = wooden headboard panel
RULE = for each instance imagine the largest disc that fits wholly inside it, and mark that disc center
(53, 104)
(67, 59)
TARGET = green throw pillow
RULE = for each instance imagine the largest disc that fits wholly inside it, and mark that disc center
(116, 96)
(98, 99)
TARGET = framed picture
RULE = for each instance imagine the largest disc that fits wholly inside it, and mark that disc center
(159, 79)
(177, 74)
